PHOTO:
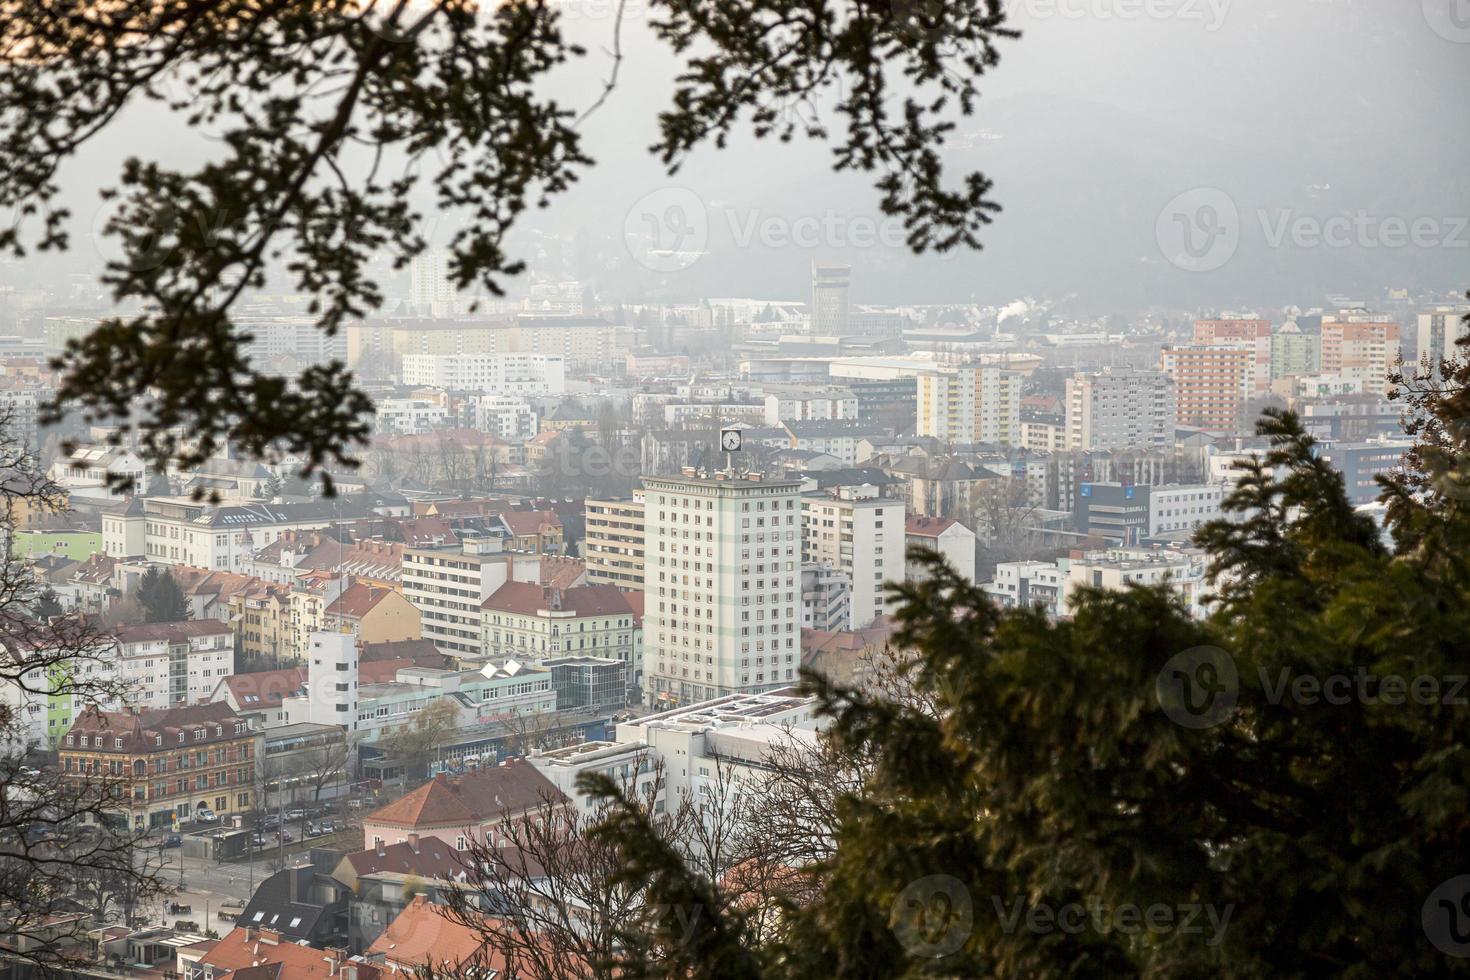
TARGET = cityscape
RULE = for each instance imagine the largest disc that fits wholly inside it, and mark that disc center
(729, 574)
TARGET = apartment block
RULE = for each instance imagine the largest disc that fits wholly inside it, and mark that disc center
(860, 534)
(170, 664)
(969, 403)
(1360, 345)
(613, 542)
(1294, 353)
(1120, 408)
(722, 573)
(494, 374)
(449, 585)
(1210, 384)
(1241, 333)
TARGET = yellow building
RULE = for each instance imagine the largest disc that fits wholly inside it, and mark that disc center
(261, 615)
(160, 766)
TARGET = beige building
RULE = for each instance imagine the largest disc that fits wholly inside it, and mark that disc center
(613, 542)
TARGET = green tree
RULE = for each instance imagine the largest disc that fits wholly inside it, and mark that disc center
(1278, 790)
(330, 114)
(161, 598)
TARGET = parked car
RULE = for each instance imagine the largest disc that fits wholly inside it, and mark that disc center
(205, 815)
(258, 840)
(355, 804)
(285, 836)
(172, 840)
(271, 821)
(295, 814)
(29, 772)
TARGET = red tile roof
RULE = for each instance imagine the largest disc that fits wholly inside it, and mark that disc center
(424, 936)
(266, 687)
(249, 949)
(562, 572)
(139, 729)
(527, 599)
(469, 800)
(928, 527)
(523, 523)
(357, 600)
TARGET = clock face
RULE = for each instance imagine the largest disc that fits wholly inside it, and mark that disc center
(730, 440)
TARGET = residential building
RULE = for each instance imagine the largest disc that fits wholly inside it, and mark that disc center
(969, 403)
(861, 534)
(826, 597)
(414, 414)
(1176, 508)
(948, 537)
(801, 403)
(461, 809)
(1120, 408)
(1294, 353)
(251, 953)
(169, 664)
(258, 696)
(1361, 463)
(1439, 332)
(303, 905)
(491, 374)
(1211, 384)
(613, 542)
(1362, 345)
(448, 587)
(168, 764)
(372, 614)
(524, 620)
(426, 939)
(1183, 570)
(1021, 584)
(721, 574)
(1244, 334)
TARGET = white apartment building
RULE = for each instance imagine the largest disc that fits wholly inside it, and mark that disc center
(448, 586)
(613, 542)
(826, 598)
(491, 374)
(183, 531)
(1120, 408)
(171, 664)
(1438, 332)
(508, 416)
(969, 403)
(1020, 584)
(808, 404)
(1118, 568)
(423, 411)
(948, 537)
(722, 580)
(862, 535)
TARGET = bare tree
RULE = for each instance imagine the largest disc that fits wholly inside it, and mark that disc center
(545, 892)
(417, 742)
(60, 843)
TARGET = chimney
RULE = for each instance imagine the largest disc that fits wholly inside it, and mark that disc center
(378, 847)
(413, 843)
